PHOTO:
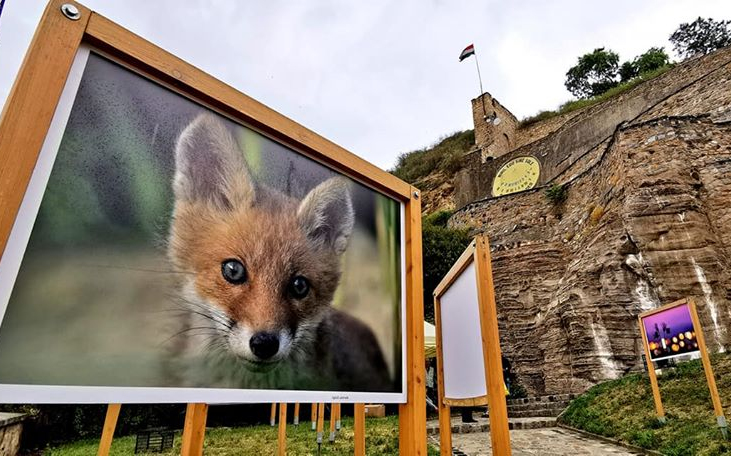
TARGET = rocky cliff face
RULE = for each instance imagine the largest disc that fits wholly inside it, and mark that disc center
(647, 221)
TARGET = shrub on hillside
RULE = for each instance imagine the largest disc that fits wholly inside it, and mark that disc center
(445, 156)
(441, 246)
(557, 193)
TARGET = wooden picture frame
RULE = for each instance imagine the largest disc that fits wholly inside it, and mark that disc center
(705, 359)
(477, 253)
(30, 107)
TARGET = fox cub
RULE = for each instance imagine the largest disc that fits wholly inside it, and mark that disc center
(258, 270)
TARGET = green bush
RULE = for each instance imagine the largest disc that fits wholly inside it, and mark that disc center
(557, 193)
(445, 156)
(441, 246)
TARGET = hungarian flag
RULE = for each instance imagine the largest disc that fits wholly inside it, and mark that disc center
(468, 51)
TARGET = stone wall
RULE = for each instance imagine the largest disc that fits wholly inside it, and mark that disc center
(537, 130)
(571, 137)
(645, 223)
(492, 140)
(11, 429)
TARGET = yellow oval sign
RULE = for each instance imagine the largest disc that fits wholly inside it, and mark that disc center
(516, 175)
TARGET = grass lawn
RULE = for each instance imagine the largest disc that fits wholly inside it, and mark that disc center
(624, 409)
(381, 439)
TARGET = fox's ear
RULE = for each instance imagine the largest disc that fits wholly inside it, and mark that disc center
(210, 166)
(326, 214)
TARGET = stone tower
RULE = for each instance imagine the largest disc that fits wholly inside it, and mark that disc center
(495, 127)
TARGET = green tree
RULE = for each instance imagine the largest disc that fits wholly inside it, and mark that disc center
(441, 246)
(651, 60)
(700, 37)
(593, 74)
(627, 71)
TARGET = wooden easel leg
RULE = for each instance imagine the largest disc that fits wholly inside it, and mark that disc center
(333, 417)
(359, 429)
(653, 378)
(194, 431)
(499, 427)
(445, 420)
(412, 414)
(110, 423)
(313, 416)
(445, 429)
(273, 415)
(296, 419)
(282, 438)
(320, 421)
(708, 370)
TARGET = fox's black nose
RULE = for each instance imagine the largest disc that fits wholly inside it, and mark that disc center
(264, 344)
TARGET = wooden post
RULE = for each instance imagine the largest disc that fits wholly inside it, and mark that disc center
(359, 429)
(445, 420)
(499, 430)
(110, 423)
(194, 431)
(273, 415)
(320, 421)
(31, 104)
(313, 416)
(333, 417)
(653, 377)
(412, 414)
(708, 370)
(296, 419)
(282, 437)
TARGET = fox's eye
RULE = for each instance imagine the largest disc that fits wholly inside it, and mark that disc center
(299, 287)
(233, 271)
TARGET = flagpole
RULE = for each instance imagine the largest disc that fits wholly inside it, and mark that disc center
(479, 77)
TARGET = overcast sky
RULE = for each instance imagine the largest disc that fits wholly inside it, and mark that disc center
(381, 77)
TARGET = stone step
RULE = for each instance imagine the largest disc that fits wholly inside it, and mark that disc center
(536, 413)
(549, 398)
(483, 424)
(538, 405)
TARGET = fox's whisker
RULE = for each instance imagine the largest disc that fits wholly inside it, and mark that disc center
(128, 268)
(187, 330)
(207, 312)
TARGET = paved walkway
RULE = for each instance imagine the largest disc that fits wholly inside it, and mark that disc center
(545, 442)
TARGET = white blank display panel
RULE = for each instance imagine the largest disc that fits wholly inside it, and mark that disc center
(463, 362)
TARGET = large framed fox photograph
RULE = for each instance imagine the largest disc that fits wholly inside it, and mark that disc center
(166, 238)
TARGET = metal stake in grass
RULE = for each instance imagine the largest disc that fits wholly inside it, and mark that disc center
(721, 420)
(337, 417)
